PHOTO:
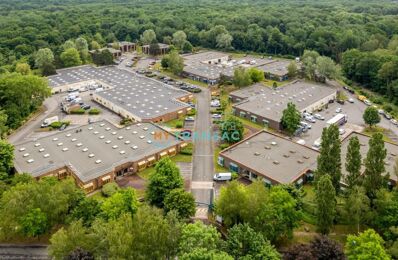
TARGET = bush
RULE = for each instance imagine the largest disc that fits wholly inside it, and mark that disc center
(388, 108)
(58, 124)
(126, 121)
(188, 150)
(109, 189)
(191, 112)
(78, 111)
(234, 175)
(223, 146)
(94, 111)
(179, 124)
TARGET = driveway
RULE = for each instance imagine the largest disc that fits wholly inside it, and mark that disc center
(203, 167)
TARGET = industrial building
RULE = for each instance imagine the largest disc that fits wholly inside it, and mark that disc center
(389, 162)
(163, 48)
(97, 153)
(115, 53)
(130, 95)
(271, 158)
(276, 70)
(124, 46)
(264, 105)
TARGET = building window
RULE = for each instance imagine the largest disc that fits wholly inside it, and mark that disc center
(233, 167)
(253, 119)
(242, 114)
(267, 182)
(220, 161)
(265, 122)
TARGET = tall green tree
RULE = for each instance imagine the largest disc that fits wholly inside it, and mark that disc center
(179, 38)
(182, 202)
(353, 162)
(292, 69)
(148, 37)
(71, 57)
(166, 178)
(44, 60)
(329, 160)
(175, 62)
(326, 67)
(291, 118)
(244, 242)
(123, 201)
(23, 68)
(3, 123)
(374, 166)
(371, 116)
(224, 41)
(256, 75)
(198, 235)
(241, 77)
(82, 48)
(34, 223)
(367, 245)
(6, 156)
(326, 204)
(232, 130)
(204, 254)
(357, 206)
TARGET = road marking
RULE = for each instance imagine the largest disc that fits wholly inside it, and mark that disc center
(202, 185)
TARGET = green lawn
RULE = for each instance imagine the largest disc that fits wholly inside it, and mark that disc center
(369, 131)
(182, 158)
(145, 173)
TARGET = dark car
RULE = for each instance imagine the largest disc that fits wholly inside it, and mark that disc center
(85, 107)
(63, 126)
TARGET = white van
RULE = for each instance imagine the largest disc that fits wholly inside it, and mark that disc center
(222, 176)
(49, 121)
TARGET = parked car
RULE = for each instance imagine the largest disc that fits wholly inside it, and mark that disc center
(367, 102)
(216, 116)
(63, 126)
(305, 125)
(351, 100)
(310, 119)
(305, 114)
(339, 110)
(387, 116)
(380, 111)
(189, 118)
(394, 122)
(85, 107)
(341, 131)
(319, 116)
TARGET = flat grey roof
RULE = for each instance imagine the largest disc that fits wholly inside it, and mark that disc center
(276, 67)
(98, 141)
(269, 103)
(392, 154)
(144, 97)
(197, 64)
(273, 156)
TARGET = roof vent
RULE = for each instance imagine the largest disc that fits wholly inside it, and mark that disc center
(101, 137)
(37, 145)
(90, 128)
(108, 141)
(275, 162)
(149, 141)
(30, 160)
(286, 155)
(114, 133)
(134, 147)
(41, 150)
(96, 132)
(108, 128)
(65, 149)
(142, 136)
(145, 128)
(128, 128)
(267, 147)
(306, 157)
(122, 152)
(273, 143)
(101, 125)
(79, 144)
(46, 155)
(85, 149)
(114, 147)
(26, 155)
(135, 132)
(74, 139)
(292, 151)
(300, 161)
(256, 153)
(91, 155)
(55, 139)
(59, 144)
(68, 135)
(127, 142)
(120, 137)
(22, 149)
(98, 161)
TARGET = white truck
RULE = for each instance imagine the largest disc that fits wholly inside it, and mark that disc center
(49, 121)
(339, 119)
(222, 176)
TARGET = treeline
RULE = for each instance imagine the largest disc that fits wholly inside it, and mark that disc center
(265, 27)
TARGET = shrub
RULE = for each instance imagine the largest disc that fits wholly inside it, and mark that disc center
(188, 150)
(223, 146)
(109, 189)
(191, 112)
(234, 175)
(56, 125)
(179, 124)
(388, 108)
(94, 111)
(126, 121)
(78, 111)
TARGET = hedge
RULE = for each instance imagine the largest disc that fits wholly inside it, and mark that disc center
(78, 111)
(94, 111)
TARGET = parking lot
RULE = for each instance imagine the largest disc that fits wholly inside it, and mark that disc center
(354, 112)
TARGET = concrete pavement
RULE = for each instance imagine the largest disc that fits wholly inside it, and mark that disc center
(203, 166)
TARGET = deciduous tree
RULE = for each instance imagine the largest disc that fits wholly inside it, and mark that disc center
(353, 162)
(198, 236)
(374, 166)
(70, 57)
(291, 118)
(326, 204)
(179, 38)
(371, 116)
(166, 178)
(148, 37)
(123, 201)
(357, 206)
(367, 245)
(182, 202)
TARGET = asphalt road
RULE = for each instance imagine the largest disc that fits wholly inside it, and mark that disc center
(203, 168)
